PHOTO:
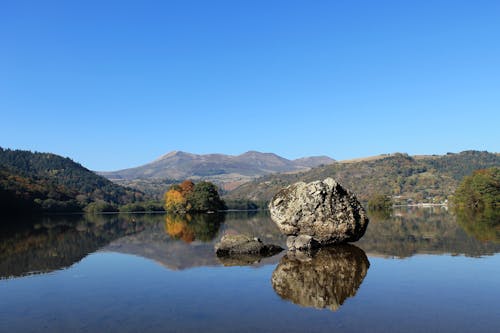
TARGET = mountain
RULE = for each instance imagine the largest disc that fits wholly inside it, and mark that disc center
(182, 165)
(313, 161)
(405, 178)
(44, 181)
(227, 171)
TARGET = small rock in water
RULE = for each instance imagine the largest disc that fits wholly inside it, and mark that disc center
(242, 244)
(323, 210)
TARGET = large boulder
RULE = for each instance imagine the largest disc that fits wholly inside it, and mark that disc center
(324, 210)
(233, 245)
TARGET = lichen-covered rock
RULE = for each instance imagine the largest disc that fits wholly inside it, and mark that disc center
(243, 244)
(324, 279)
(323, 210)
(301, 242)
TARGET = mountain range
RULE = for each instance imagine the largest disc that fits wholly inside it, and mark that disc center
(228, 171)
(31, 181)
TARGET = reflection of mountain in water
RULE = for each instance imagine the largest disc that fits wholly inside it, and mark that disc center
(323, 280)
(185, 241)
(256, 224)
(50, 243)
(433, 231)
(175, 252)
(45, 244)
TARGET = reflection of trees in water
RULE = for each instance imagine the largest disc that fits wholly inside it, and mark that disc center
(49, 243)
(321, 280)
(412, 231)
(483, 225)
(187, 227)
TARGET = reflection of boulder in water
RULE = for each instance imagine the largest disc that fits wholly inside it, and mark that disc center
(321, 280)
(242, 259)
(202, 227)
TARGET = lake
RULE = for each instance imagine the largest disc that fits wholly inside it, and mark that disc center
(417, 270)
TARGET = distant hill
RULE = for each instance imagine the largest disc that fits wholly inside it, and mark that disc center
(182, 165)
(405, 178)
(44, 181)
(227, 171)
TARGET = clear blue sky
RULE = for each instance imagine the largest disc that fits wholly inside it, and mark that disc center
(115, 84)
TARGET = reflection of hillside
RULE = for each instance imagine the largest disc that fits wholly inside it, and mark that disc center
(324, 280)
(256, 224)
(409, 232)
(156, 244)
(51, 243)
(483, 225)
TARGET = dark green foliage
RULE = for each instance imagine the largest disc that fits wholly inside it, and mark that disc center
(131, 208)
(243, 204)
(153, 206)
(47, 182)
(480, 190)
(26, 195)
(463, 164)
(380, 202)
(98, 207)
(205, 197)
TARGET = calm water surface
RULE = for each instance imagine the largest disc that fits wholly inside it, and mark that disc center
(414, 271)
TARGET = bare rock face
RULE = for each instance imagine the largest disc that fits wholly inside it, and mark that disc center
(234, 245)
(323, 210)
(324, 279)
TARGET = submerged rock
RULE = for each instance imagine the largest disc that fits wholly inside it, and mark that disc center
(231, 245)
(321, 279)
(323, 210)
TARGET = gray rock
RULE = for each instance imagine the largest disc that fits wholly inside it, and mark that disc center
(301, 242)
(243, 244)
(323, 210)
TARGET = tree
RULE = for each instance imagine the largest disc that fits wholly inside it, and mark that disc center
(205, 197)
(190, 197)
(380, 202)
(480, 190)
(175, 201)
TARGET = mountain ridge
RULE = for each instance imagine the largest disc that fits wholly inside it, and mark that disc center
(406, 178)
(181, 165)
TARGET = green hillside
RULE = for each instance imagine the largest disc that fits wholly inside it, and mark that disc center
(48, 182)
(406, 179)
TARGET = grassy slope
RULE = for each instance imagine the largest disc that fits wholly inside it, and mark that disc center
(422, 178)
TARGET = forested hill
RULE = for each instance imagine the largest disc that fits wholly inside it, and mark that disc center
(405, 178)
(44, 181)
